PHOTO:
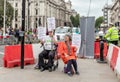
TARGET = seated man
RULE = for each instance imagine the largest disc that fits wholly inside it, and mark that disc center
(48, 52)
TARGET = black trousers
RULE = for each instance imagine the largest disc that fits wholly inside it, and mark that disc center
(70, 63)
(46, 54)
(114, 42)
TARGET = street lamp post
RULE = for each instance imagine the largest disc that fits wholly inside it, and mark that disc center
(22, 34)
(4, 26)
(45, 13)
(14, 15)
(28, 15)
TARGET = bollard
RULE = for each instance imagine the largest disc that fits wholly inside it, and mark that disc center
(101, 50)
(101, 60)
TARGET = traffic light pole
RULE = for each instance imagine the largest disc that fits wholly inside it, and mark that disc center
(22, 34)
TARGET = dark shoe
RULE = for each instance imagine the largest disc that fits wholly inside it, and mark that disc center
(77, 73)
(42, 69)
(69, 74)
(50, 69)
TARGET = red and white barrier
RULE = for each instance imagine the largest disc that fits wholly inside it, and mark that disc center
(109, 54)
(97, 50)
(113, 58)
(117, 68)
(36, 50)
(12, 55)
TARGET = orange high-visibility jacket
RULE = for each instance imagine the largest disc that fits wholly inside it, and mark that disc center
(63, 49)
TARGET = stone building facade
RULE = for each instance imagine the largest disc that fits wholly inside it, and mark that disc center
(115, 12)
(37, 11)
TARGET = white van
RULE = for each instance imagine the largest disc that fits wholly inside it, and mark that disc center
(60, 32)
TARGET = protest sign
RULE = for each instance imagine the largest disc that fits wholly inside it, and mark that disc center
(51, 23)
(41, 32)
(76, 41)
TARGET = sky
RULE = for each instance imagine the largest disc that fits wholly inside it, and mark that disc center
(82, 7)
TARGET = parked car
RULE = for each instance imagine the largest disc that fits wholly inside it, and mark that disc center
(60, 32)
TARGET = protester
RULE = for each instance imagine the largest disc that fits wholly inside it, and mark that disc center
(48, 52)
(68, 55)
(11, 31)
(17, 35)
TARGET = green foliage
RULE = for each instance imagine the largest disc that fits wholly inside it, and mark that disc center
(99, 21)
(9, 13)
(75, 20)
(72, 19)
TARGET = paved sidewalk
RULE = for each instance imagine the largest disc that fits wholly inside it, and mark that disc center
(1, 60)
(90, 71)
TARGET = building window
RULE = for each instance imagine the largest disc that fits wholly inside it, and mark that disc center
(36, 4)
(36, 11)
(16, 25)
(39, 21)
(16, 4)
(16, 19)
(36, 19)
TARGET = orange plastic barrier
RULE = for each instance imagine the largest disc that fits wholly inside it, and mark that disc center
(105, 51)
(97, 49)
(12, 55)
(114, 57)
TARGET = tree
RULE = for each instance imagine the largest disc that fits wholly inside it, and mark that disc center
(75, 20)
(99, 21)
(72, 18)
(9, 13)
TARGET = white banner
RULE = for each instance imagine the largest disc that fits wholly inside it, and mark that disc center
(76, 41)
(51, 23)
(41, 32)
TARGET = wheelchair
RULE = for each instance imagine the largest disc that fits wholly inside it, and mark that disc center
(55, 62)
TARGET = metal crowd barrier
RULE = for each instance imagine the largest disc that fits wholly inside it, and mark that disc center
(12, 40)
